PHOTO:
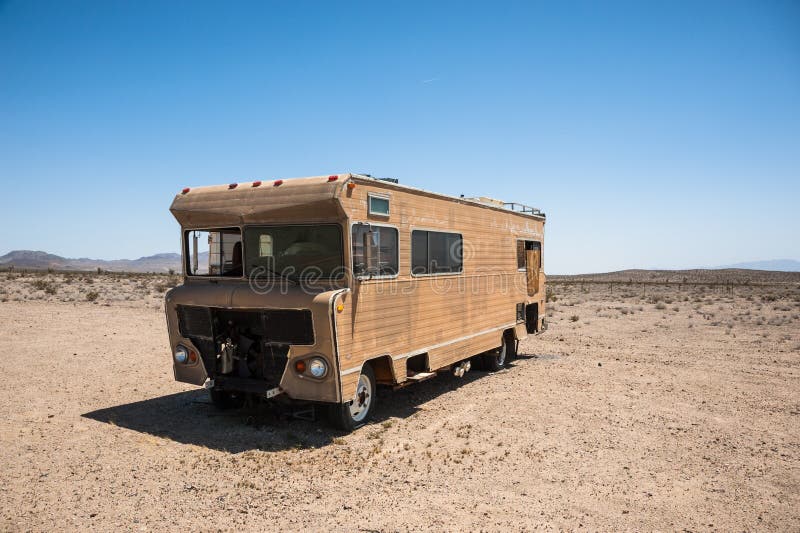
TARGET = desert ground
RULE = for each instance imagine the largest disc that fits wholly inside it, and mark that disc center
(645, 406)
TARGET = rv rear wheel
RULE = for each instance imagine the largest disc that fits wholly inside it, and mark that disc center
(225, 399)
(354, 414)
(497, 358)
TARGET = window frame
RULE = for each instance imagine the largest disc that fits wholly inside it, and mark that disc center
(370, 196)
(412, 229)
(527, 239)
(187, 258)
(352, 255)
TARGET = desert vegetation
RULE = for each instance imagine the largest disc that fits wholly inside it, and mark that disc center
(96, 286)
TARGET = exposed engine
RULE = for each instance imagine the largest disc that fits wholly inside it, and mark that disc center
(244, 353)
(246, 344)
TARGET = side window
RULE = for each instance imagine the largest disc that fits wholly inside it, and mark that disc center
(383, 247)
(378, 205)
(214, 252)
(436, 252)
(522, 248)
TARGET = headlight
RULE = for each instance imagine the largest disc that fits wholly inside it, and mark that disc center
(181, 354)
(317, 367)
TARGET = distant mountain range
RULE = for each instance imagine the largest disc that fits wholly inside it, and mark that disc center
(775, 265)
(42, 260)
(164, 262)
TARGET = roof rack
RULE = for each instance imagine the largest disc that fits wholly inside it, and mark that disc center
(522, 208)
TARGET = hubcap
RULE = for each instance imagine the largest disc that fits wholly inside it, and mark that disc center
(363, 399)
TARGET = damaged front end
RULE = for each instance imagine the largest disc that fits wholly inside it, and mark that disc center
(259, 351)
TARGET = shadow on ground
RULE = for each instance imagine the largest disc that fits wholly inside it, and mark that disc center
(190, 418)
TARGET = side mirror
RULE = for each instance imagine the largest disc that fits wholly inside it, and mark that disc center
(372, 240)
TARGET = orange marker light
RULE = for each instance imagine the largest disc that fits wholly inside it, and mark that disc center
(351, 185)
(340, 308)
(300, 366)
(192, 356)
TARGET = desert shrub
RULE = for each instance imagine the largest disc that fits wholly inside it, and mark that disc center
(163, 287)
(574, 318)
(660, 306)
(91, 296)
(44, 285)
(550, 295)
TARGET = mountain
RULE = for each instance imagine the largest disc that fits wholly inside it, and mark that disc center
(779, 265)
(36, 260)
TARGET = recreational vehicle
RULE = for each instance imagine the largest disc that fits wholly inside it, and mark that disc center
(319, 289)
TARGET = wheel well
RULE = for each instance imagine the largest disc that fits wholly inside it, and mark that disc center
(382, 367)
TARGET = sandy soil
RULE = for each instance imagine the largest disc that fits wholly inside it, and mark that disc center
(668, 410)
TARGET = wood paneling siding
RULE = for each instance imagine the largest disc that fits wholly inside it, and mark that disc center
(449, 317)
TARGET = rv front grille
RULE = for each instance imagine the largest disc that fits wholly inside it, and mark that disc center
(195, 322)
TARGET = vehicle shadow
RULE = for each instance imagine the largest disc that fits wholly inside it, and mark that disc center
(190, 417)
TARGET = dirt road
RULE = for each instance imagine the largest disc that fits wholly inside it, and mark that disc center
(627, 414)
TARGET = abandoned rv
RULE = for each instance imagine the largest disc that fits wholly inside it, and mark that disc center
(318, 289)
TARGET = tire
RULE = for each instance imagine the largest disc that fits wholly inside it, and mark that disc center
(355, 413)
(498, 358)
(225, 399)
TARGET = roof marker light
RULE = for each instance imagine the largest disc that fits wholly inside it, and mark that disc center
(185, 190)
(256, 183)
(333, 178)
(277, 183)
(233, 185)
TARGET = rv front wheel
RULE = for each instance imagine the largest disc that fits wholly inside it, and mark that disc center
(353, 414)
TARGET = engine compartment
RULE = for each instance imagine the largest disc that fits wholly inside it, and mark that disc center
(246, 344)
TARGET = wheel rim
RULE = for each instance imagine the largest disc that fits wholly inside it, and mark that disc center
(501, 355)
(362, 401)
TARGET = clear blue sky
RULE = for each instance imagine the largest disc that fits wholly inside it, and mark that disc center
(654, 134)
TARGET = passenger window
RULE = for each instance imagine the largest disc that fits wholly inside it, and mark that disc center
(381, 259)
(436, 252)
(214, 252)
(522, 248)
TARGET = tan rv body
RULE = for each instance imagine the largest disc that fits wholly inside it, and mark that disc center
(402, 325)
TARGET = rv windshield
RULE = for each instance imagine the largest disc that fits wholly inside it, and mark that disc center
(294, 252)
